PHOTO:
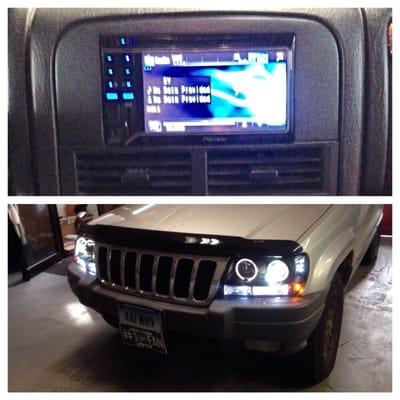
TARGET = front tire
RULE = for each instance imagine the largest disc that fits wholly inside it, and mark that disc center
(323, 343)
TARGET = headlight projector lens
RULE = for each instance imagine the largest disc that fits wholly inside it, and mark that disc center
(246, 269)
(277, 271)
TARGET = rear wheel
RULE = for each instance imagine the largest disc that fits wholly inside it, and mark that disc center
(372, 252)
(322, 345)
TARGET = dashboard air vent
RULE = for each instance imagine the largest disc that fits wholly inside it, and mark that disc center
(267, 171)
(145, 172)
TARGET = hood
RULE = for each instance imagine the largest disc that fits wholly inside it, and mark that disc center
(254, 222)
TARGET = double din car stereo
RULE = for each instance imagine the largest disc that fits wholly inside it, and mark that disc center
(170, 87)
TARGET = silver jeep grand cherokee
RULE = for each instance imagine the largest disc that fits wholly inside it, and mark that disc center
(264, 277)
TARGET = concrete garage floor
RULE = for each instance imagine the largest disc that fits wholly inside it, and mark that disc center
(56, 344)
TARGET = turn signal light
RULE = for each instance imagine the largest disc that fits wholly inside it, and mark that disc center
(297, 288)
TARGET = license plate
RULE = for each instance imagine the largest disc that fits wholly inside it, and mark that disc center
(141, 327)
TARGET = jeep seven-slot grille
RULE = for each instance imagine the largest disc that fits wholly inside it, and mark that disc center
(178, 278)
(145, 172)
(279, 170)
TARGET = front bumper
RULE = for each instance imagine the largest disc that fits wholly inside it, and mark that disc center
(286, 320)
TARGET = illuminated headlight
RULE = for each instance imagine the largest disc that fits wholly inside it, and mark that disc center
(267, 276)
(246, 269)
(300, 264)
(84, 255)
(277, 272)
(248, 291)
(230, 290)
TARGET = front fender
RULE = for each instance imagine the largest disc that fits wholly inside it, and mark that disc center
(330, 260)
(328, 244)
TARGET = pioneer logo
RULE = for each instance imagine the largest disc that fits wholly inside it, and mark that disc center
(215, 139)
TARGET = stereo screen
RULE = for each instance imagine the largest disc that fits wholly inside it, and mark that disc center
(215, 91)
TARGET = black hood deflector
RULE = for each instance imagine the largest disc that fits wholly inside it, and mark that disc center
(188, 242)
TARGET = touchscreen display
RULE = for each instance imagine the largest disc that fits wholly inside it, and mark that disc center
(215, 90)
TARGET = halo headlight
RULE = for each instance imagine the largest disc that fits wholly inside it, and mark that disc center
(246, 269)
(269, 275)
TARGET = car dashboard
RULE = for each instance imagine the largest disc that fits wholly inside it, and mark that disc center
(186, 102)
